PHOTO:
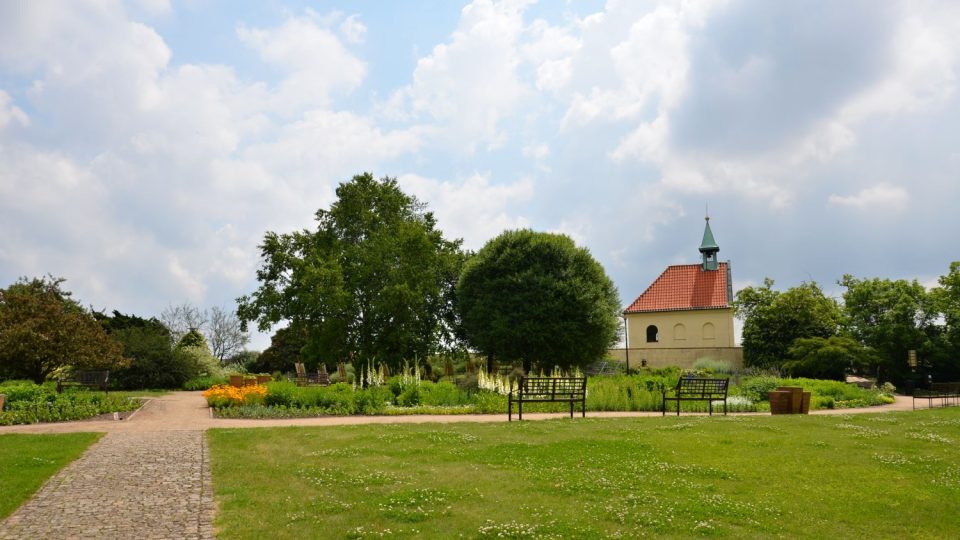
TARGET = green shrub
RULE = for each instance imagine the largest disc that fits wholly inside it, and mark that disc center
(443, 393)
(468, 383)
(490, 402)
(280, 393)
(337, 399)
(372, 400)
(825, 394)
(712, 365)
(29, 403)
(21, 390)
(410, 396)
(624, 393)
(756, 388)
(203, 383)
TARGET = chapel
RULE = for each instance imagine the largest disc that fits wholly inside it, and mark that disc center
(686, 314)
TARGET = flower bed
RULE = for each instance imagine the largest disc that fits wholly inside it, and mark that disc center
(407, 393)
(30, 403)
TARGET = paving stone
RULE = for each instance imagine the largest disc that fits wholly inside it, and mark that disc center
(142, 485)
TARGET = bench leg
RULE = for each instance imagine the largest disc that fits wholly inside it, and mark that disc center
(583, 408)
(519, 409)
(571, 409)
(710, 406)
(510, 408)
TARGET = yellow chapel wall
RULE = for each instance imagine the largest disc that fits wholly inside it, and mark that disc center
(685, 329)
(683, 350)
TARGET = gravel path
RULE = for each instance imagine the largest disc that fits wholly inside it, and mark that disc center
(149, 477)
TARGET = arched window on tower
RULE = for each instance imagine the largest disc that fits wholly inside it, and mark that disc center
(652, 334)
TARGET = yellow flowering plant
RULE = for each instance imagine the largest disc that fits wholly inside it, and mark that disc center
(225, 395)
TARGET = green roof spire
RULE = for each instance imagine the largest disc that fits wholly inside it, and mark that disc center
(709, 248)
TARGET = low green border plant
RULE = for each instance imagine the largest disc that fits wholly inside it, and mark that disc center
(29, 403)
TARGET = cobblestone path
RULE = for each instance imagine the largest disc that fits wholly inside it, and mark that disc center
(139, 485)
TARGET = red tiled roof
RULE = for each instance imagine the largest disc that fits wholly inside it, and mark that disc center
(685, 286)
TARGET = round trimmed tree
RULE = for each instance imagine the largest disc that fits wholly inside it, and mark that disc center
(537, 298)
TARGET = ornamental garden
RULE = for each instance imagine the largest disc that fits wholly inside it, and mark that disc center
(375, 313)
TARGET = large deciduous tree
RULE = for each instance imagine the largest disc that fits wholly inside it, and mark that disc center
(284, 350)
(222, 329)
(892, 317)
(154, 362)
(372, 282)
(945, 363)
(225, 334)
(827, 358)
(183, 318)
(772, 320)
(42, 330)
(537, 298)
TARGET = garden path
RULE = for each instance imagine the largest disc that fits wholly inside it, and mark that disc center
(149, 477)
(188, 411)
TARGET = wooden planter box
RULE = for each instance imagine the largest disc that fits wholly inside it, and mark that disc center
(789, 400)
(3, 397)
(236, 380)
(780, 402)
(264, 379)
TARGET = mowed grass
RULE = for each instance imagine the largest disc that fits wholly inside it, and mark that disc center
(893, 475)
(27, 461)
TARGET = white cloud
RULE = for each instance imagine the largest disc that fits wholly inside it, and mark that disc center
(469, 85)
(155, 7)
(317, 63)
(353, 30)
(472, 209)
(331, 144)
(191, 284)
(879, 197)
(647, 65)
(10, 113)
(536, 151)
(652, 77)
(926, 48)
(550, 49)
(169, 174)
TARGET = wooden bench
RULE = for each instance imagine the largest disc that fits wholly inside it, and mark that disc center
(947, 392)
(698, 389)
(321, 378)
(94, 380)
(548, 390)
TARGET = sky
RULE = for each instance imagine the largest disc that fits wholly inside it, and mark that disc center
(147, 146)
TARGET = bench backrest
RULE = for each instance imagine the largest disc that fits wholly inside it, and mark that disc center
(692, 386)
(552, 386)
(945, 387)
(92, 378)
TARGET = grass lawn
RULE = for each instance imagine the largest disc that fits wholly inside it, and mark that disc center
(893, 475)
(26, 461)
